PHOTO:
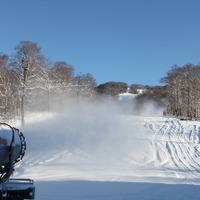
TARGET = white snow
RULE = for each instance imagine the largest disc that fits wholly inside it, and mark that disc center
(94, 152)
(127, 96)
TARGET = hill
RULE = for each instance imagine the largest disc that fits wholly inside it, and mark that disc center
(69, 153)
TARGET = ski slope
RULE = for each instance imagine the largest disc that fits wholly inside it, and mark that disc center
(96, 152)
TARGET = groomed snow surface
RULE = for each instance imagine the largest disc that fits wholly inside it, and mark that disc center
(97, 152)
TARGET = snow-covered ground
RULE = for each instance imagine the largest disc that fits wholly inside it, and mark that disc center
(95, 152)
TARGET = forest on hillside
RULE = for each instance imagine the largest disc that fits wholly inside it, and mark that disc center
(29, 82)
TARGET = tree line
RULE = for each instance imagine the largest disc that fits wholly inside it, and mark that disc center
(180, 94)
(29, 81)
(183, 91)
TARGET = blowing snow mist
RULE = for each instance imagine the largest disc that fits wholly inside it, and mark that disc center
(98, 130)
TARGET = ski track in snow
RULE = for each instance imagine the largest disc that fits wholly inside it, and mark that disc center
(182, 146)
(169, 146)
(126, 149)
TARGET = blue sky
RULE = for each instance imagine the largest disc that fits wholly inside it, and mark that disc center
(133, 41)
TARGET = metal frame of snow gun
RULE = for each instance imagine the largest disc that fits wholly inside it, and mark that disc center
(12, 150)
(17, 189)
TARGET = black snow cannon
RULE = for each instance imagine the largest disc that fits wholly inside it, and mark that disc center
(12, 150)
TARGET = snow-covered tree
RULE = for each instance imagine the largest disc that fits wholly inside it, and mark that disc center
(183, 91)
(30, 68)
(8, 101)
(84, 85)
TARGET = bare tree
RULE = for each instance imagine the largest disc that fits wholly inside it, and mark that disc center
(85, 86)
(29, 67)
(61, 77)
(7, 95)
(64, 73)
(174, 85)
(183, 91)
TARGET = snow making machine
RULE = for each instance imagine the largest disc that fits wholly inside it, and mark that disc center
(12, 150)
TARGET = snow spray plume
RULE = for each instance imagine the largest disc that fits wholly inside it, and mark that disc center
(97, 130)
(147, 108)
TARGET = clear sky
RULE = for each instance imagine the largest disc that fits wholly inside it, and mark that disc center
(133, 41)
